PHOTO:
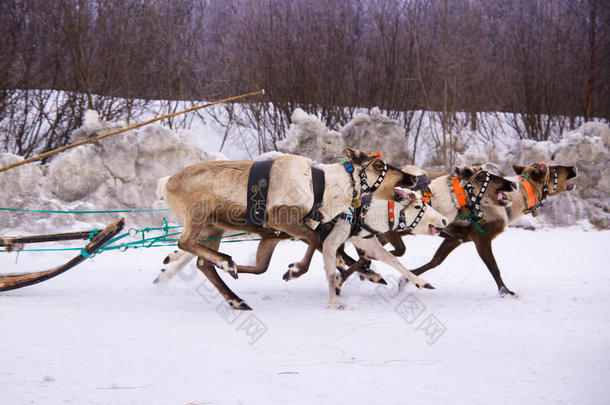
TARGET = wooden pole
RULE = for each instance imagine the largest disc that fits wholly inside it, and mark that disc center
(118, 131)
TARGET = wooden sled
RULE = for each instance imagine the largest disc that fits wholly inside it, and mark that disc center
(14, 281)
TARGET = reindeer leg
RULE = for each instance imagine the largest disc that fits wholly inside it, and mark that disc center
(210, 272)
(374, 250)
(288, 220)
(179, 259)
(362, 266)
(263, 256)
(483, 245)
(188, 242)
(395, 239)
(173, 256)
(448, 246)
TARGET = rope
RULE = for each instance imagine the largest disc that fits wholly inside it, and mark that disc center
(121, 130)
(164, 240)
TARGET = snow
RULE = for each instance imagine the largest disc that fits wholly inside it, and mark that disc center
(120, 172)
(103, 333)
(308, 136)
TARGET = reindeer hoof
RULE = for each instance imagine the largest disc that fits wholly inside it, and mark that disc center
(291, 273)
(240, 305)
(362, 278)
(382, 281)
(233, 273)
(429, 286)
(336, 305)
(156, 281)
(166, 260)
(505, 292)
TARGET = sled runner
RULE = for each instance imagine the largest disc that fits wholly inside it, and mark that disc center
(19, 280)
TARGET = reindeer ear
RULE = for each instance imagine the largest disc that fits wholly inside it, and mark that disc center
(403, 195)
(518, 169)
(463, 172)
(353, 155)
(358, 157)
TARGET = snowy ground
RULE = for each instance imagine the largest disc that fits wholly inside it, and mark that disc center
(102, 333)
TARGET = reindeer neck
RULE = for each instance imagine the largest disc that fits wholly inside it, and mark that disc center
(339, 190)
(517, 208)
(442, 200)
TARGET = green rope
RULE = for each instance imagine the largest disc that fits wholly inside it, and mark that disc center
(80, 212)
(164, 240)
(470, 218)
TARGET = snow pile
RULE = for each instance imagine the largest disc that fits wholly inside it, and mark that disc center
(119, 172)
(376, 132)
(586, 148)
(308, 136)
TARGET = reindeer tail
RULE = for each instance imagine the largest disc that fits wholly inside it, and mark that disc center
(162, 187)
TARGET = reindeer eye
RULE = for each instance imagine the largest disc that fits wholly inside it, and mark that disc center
(378, 166)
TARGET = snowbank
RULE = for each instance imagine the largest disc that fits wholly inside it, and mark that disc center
(119, 172)
(308, 136)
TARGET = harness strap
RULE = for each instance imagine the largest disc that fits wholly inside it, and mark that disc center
(349, 168)
(529, 196)
(391, 214)
(402, 221)
(422, 186)
(364, 184)
(258, 186)
(460, 193)
(318, 183)
(470, 209)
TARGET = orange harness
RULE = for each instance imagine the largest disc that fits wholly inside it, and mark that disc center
(530, 197)
(460, 193)
(470, 209)
(391, 214)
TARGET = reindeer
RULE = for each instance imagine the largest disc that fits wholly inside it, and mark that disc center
(210, 197)
(495, 196)
(543, 181)
(406, 212)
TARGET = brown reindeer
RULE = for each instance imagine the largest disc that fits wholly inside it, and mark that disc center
(494, 198)
(210, 197)
(540, 177)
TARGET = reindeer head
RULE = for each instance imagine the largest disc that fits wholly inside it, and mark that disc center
(408, 205)
(374, 166)
(539, 173)
(497, 189)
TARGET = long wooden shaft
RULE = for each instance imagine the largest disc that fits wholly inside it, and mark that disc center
(121, 130)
